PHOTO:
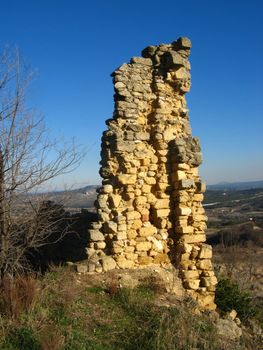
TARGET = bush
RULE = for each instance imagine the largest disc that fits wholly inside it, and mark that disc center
(21, 338)
(229, 297)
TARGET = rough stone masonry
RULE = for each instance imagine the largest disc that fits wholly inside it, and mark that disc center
(149, 205)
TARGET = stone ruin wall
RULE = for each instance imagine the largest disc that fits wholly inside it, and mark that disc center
(149, 205)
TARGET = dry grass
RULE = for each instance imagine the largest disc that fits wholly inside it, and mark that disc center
(18, 295)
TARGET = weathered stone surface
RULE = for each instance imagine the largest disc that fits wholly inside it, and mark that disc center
(108, 263)
(228, 329)
(127, 179)
(96, 235)
(147, 231)
(143, 246)
(149, 206)
(205, 252)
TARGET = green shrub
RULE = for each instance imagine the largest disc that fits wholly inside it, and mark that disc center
(229, 297)
(21, 338)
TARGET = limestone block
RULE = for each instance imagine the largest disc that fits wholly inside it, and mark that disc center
(185, 257)
(107, 189)
(133, 215)
(140, 201)
(117, 243)
(157, 245)
(170, 133)
(122, 227)
(131, 256)
(114, 200)
(96, 235)
(200, 217)
(183, 210)
(205, 252)
(183, 166)
(102, 200)
(184, 43)
(121, 235)
(153, 167)
(124, 263)
(142, 60)
(182, 73)
(162, 186)
(162, 203)
(161, 259)
(186, 183)
(100, 245)
(146, 188)
(208, 281)
(184, 229)
(191, 284)
(173, 59)
(137, 192)
(184, 248)
(182, 221)
(160, 213)
(129, 249)
(147, 231)
(204, 264)
(145, 217)
(143, 136)
(179, 175)
(150, 180)
(127, 179)
(145, 260)
(119, 85)
(199, 197)
(110, 227)
(104, 216)
(131, 234)
(193, 238)
(143, 246)
(190, 274)
(206, 301)
(108, 263)
(136, 224)
(152, 253)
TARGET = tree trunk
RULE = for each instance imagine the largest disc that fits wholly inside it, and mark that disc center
(2, 218)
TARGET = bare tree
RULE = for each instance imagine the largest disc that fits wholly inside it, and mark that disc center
(28, 159)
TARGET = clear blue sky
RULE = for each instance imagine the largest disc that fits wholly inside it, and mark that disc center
(76, 44)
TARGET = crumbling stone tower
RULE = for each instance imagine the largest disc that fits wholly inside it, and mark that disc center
(149, 205)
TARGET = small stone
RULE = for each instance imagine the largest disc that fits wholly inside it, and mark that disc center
(228, 329)
(142, 60)
(205, 252)
(143, 246)
(108, 263)
(184, 42)
(107, 188)
(96, 235)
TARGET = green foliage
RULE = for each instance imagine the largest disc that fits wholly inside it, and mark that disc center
(21, 338)
(229, 297)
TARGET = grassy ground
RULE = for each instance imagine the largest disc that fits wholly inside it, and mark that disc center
(63, 310)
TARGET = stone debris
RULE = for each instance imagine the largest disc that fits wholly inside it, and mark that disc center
(149, 205)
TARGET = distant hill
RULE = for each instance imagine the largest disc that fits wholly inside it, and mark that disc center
(232, 186)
